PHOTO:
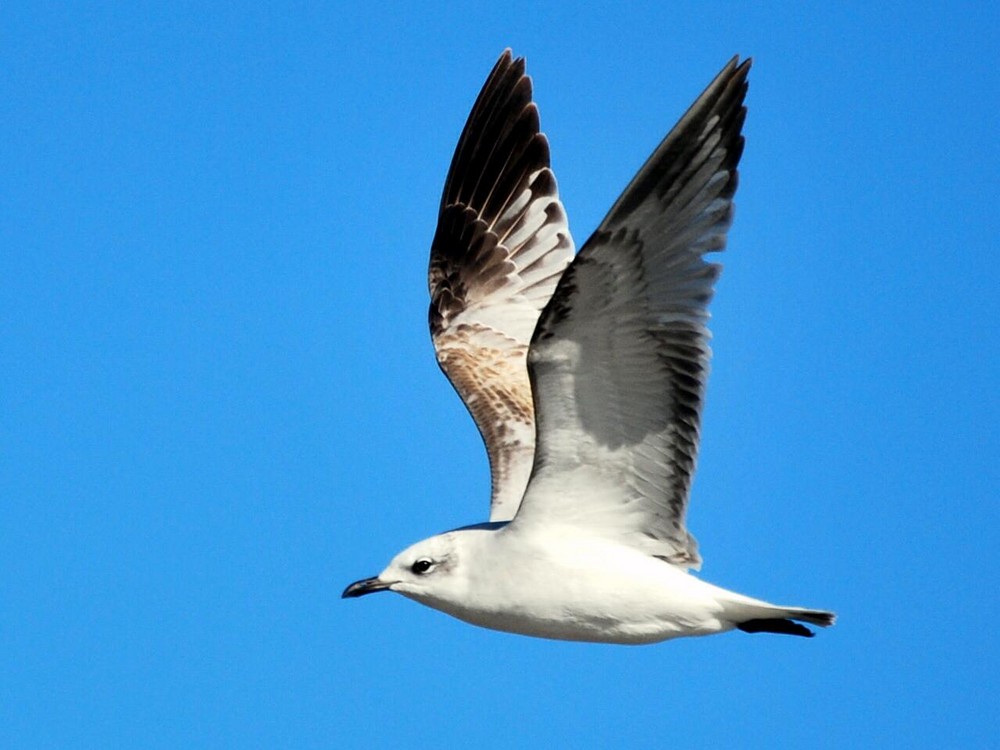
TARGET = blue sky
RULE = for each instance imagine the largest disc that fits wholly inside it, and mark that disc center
(220, 403)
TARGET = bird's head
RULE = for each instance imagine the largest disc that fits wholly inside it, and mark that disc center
(424, 571)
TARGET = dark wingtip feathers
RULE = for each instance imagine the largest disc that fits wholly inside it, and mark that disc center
(718, 110)
(775, 625)
(788, 626)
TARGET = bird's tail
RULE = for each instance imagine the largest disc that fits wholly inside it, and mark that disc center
(754, 616)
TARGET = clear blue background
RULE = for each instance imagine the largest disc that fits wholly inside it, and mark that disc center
(219, 405)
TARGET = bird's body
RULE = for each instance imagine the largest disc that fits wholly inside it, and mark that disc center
(561, 584)
(585, 375)
(577, 588)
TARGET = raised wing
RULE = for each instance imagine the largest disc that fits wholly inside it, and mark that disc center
(502, 242)
(620, 358)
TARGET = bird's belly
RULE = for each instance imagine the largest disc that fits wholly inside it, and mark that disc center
(584, 626)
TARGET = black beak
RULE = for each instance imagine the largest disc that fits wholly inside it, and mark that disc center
(365, 586)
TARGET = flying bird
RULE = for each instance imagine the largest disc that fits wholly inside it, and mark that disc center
(585, 374)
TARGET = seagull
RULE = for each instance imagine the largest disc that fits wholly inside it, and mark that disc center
(585, 374)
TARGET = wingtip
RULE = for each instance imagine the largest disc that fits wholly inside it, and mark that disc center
(734, 70)
(507, 59)
(735, 65)
(777, 625)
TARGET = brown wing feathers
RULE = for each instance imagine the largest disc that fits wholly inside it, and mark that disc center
(499, 249)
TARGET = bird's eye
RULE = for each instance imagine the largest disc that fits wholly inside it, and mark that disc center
(421, 566)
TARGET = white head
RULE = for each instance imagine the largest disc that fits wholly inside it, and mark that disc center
(428, 571)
